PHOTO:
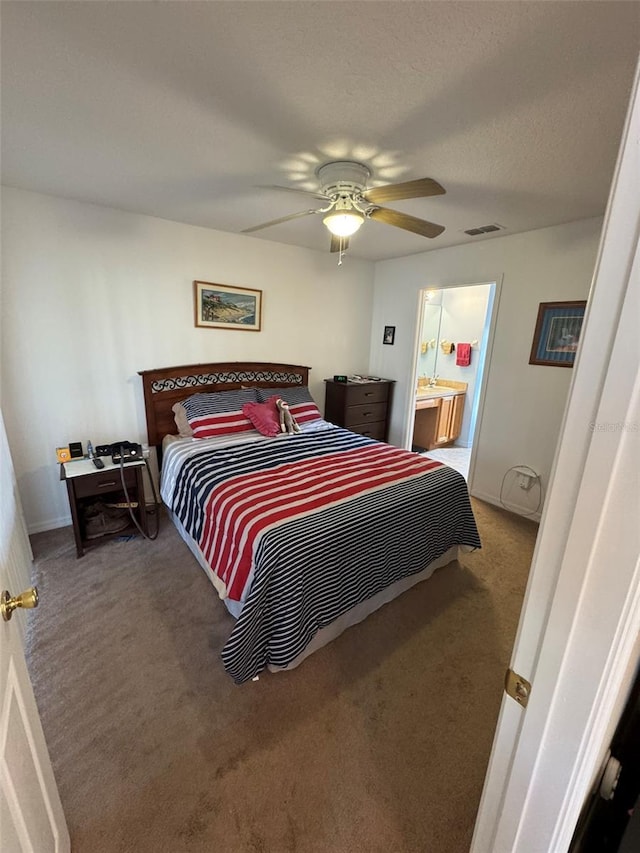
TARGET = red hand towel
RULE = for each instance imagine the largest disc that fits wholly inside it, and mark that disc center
(463, 355)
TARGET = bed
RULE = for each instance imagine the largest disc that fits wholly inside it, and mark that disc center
(303, 534)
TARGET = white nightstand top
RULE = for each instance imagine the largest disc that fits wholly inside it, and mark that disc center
(82, 467)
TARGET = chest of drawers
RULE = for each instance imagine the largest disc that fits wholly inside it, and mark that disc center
(362, 407)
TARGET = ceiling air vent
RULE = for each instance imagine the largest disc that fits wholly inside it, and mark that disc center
(484, 229)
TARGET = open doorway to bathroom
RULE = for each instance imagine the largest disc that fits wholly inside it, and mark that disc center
(453, 339)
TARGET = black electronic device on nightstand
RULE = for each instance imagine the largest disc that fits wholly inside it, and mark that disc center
(125, 451)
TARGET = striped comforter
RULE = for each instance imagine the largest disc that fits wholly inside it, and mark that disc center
(302, 528)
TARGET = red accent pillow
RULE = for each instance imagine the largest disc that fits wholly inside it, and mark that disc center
(264, 416)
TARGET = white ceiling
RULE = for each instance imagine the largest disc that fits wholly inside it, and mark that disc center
(182, 110)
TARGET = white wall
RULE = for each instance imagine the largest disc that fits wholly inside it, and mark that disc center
(92, 295)
(523, 403)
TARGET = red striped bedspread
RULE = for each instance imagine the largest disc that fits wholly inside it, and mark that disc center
(240, 510)
(301, 528)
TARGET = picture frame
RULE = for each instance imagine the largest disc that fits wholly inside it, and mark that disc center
(557, 333)
(389, 335)
(224, 306)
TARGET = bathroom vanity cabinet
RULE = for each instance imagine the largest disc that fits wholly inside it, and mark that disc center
(438, 419)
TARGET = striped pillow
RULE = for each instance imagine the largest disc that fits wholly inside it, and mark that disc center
(218, 414)
(301, 404)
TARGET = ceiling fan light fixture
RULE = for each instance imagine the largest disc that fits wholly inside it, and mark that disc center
(348, 202)
(343, 223)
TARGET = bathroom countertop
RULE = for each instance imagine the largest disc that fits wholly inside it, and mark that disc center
(438, 391)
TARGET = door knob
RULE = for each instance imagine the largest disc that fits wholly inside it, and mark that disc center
(29, 598)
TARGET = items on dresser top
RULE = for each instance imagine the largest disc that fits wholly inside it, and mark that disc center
(362, 405)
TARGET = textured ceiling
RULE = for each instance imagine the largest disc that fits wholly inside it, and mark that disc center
(183, 110)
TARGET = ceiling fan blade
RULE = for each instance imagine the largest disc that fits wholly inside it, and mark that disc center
(407, 222)
(335, 243)
(319, 195)
(278, 221)
(422, 188)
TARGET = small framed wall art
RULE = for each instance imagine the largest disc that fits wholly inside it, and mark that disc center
(389, 335)
(222, 306)
(557, 333)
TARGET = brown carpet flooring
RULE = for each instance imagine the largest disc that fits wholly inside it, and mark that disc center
(378, 742)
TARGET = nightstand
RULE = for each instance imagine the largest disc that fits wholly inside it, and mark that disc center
(86, 484)
(362, 407)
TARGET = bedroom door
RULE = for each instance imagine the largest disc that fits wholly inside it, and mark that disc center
(577, 638)
(31, 816)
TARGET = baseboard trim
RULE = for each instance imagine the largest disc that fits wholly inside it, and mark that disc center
(50, 524)
(514, 508)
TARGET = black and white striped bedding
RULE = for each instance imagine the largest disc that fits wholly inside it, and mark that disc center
(313, 566)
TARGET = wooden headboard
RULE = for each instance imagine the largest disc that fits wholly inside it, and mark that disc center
(168, 385)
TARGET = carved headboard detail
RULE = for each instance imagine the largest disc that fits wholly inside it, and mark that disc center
(166, 386)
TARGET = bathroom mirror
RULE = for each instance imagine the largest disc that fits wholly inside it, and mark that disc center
(429, 338)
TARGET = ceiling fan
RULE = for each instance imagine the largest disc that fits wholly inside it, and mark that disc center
(342, 186)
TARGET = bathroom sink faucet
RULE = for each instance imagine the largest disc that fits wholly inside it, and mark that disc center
(432, 381)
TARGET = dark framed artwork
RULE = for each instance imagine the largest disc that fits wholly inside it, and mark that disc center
(389, 335)
(221, 306)
(557, 333)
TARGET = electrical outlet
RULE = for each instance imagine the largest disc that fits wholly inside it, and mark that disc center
(526, 481)
(525, 477)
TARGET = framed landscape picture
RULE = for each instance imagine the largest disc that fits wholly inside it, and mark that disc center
(222, 306)
(557, 333)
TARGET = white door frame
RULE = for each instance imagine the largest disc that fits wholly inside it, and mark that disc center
(410, 412)
(577, 632)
